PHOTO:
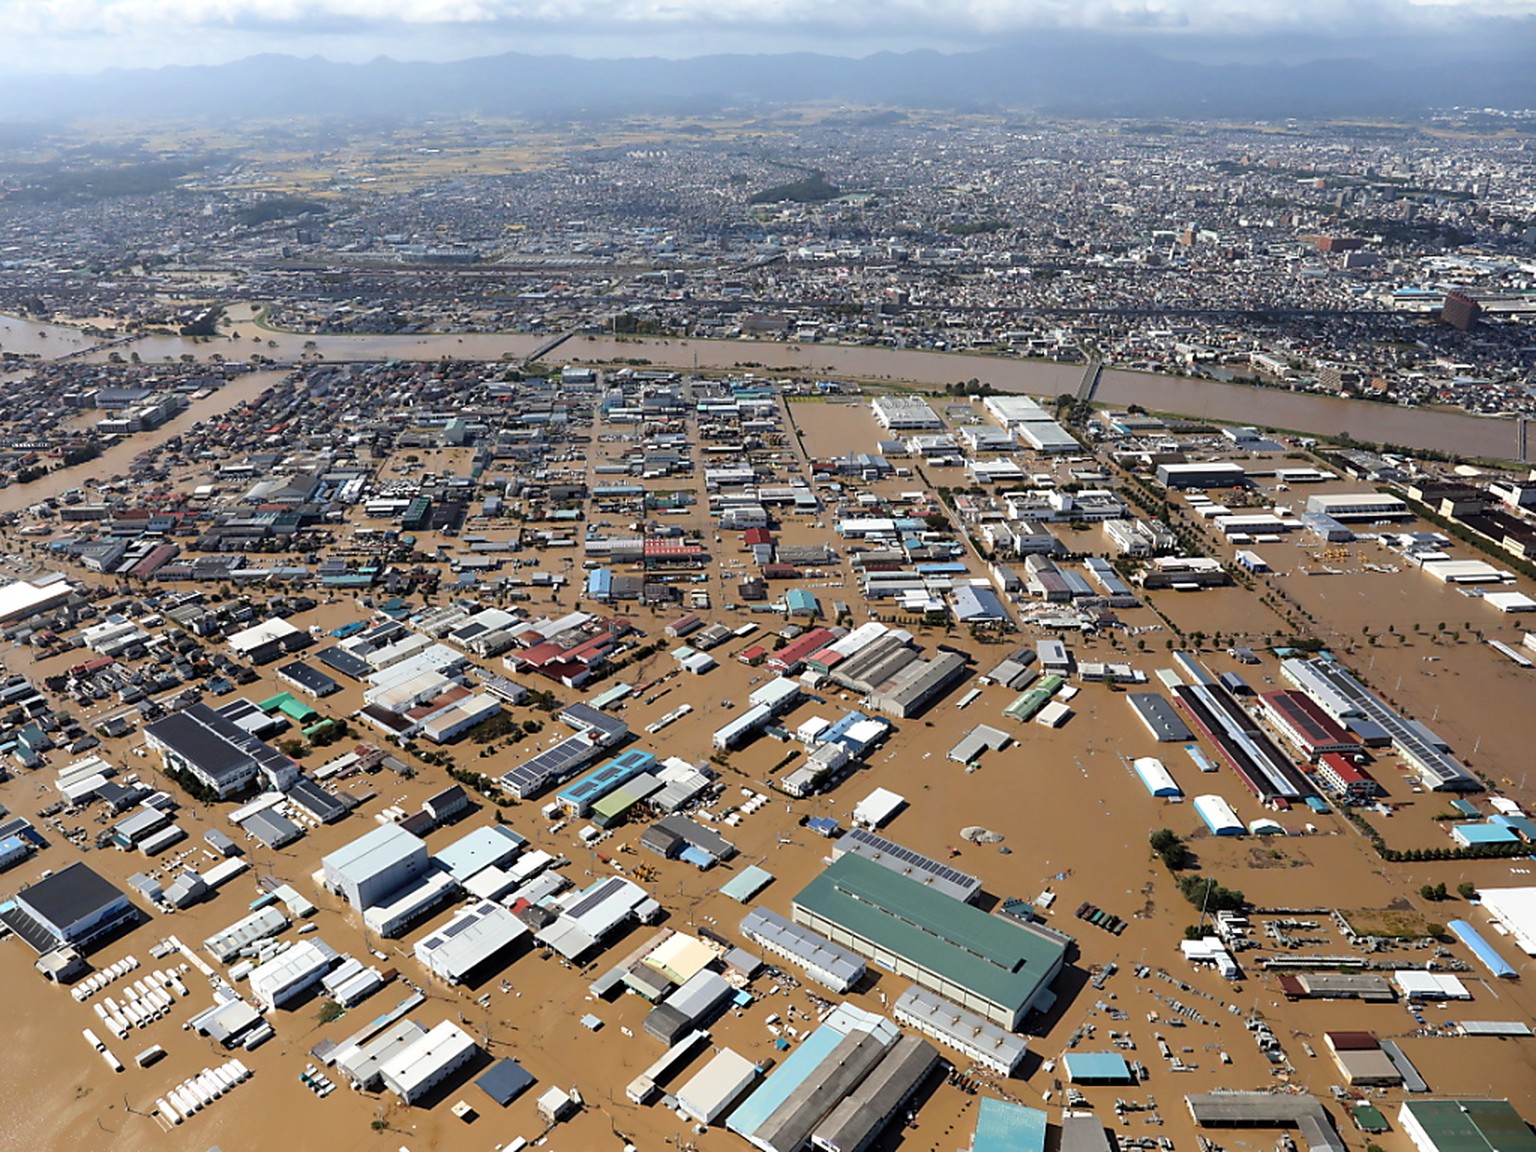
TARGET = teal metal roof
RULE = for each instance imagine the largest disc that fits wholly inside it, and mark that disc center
(1004, 1127)
(747, 883)
(1101, 1067)
(996, 959)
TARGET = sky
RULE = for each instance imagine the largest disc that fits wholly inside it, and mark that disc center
(90, 35)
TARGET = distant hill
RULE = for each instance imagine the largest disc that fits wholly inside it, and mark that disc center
(1057, 73)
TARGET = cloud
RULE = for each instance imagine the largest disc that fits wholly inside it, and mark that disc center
(130, 32)
(62, 18)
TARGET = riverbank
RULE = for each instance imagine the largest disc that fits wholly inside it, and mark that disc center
(1458, 433)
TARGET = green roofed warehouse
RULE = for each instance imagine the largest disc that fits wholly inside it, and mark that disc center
(997, 968)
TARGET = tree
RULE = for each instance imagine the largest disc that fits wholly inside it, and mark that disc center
(1467, 890)
(1170, 848)
(1209, 896)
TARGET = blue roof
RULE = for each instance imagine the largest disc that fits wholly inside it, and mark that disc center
(840, 726)
(1004, 1127)
(1100, 1066)
(606, 778)
(504, 1081)
(697, 857)
(787, 1077)
(1521, 824)
(1480, 948)
(600, 582)
(799, 600)
(1485, 834)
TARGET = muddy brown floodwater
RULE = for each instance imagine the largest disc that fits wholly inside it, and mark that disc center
(116, 459)
(1074, 821)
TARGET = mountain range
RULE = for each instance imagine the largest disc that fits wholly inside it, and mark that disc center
(1053, 73)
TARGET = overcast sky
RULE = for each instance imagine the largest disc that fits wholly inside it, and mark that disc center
(87, 35)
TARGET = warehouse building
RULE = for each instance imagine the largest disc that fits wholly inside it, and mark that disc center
(827, 963)
(899, 413)
(217, 752)
(578, 797)
(410, 904)
(1355, 506)
(1218, 816)
(905, 862)
(909, 692)
(692, 1006)
(1156, 778)
(858, 1121)
(1159, 718)
(710, 1092)
(1514, 910)
(1097, 1068)
(288, 976)
(997, 968)
(427, 1062)
(1212, 474)
(505, 1081)
(73, 908)
(488, 846)
(1361, 1061)
(361, 1062)
(977, 1039)
(828, 1065)
(473, 938)
(552, 766)
(1005, 1127)
(376, 866)
(1304, 724)
(22, 598)
(1365, 986)
(1351, 703)
(1268, 1110)
(1465, 1126)
(592, 915)
(686, 839)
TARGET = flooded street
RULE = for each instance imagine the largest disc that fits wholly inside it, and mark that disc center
(116, 459)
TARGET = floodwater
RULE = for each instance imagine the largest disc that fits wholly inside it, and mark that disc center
(295, 346)
(1303, 412)
(1074, 821)
(1439, 429)
(119, 457)
(25, 337)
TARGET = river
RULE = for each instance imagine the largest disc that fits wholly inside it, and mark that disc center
(1307, 412)
(117, 459)
(1440, 429)
(293, 346)
(51, 341)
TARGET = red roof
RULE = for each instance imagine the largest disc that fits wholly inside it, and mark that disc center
(1351, 1041)
(798, 649)
(757, 536)
(1346, 772)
